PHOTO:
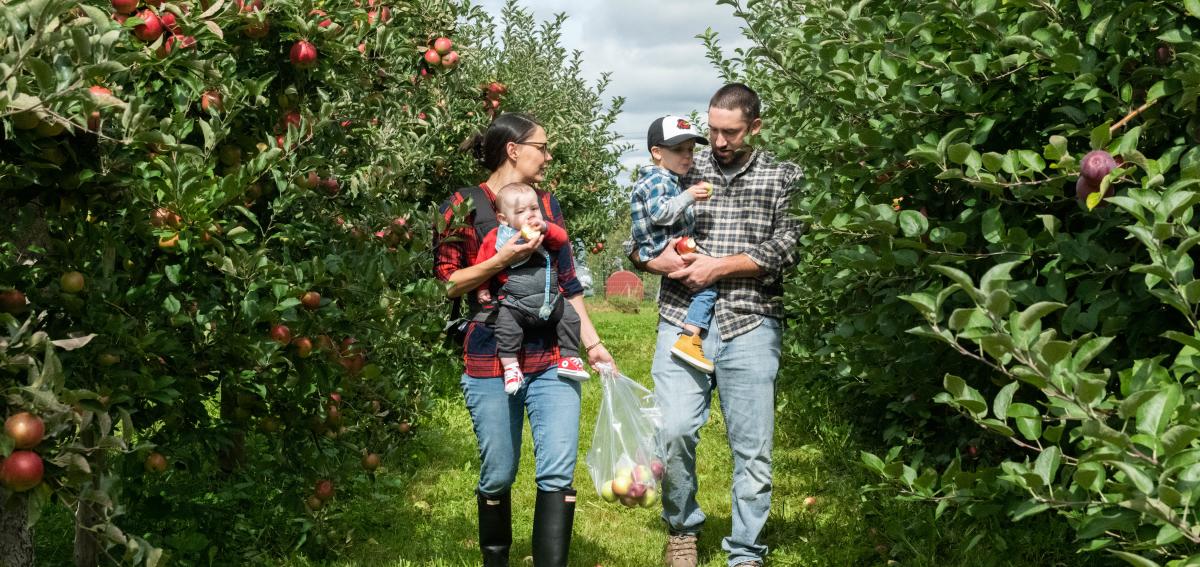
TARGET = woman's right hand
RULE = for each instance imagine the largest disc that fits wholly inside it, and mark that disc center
(513, 252)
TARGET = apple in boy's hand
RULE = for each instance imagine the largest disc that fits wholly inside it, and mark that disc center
(528, 232)
(701, 191)
(686, 245)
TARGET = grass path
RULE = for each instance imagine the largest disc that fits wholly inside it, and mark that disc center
(427, 518)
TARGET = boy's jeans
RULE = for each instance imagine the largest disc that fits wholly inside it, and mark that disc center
(553, 406)
(745, 375)
(700, 310)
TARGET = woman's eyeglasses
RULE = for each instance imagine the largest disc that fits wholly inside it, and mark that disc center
(539, 145)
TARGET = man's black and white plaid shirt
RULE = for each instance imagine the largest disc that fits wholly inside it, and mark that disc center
(747, 214)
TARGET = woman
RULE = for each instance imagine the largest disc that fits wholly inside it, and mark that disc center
(513, 150)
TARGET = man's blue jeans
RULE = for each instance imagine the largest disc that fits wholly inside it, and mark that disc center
(553, 406)
(745, 377)
(700, 310)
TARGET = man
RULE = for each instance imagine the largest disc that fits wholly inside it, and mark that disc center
(747, 239)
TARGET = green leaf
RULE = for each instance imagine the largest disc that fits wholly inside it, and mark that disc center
(1192, 7)
(993, 225)
(1133, 559)
(913, 223)
(1035, 312)
(959, 152)
(1101, 136)
(1157, 412)
(1057, 148)
(960, 277)
(997, 275)
(1028, 419)
(1177, 438)
(1140, 480)
(1099, 430)
(1088, 351)
(1129, 406)
(1046, 465)
(171, 305)
(1028, 508)
(871, 461)
(923, 302)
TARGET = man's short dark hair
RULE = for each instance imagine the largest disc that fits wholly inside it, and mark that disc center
(736, 96)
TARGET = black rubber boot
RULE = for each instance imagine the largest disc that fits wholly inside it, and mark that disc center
(553, 516)
(495, 528)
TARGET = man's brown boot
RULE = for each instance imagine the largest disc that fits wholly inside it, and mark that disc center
(681, 550)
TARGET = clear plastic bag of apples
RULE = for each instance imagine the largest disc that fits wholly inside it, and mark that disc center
(623, 458)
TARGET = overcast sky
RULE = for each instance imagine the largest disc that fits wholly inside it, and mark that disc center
(650, 47)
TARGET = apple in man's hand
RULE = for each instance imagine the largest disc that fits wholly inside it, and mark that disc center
(686, 245)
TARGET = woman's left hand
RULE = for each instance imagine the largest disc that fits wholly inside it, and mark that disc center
(599, 355)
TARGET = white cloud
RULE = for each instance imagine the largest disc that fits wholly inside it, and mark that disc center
(651, 51)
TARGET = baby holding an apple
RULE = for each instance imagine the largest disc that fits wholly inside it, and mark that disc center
(529, 294)
(662, 210)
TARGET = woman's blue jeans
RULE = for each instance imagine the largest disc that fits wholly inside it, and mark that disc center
(553, 407)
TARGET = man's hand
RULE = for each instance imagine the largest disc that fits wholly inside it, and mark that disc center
(667, 262)
(699, 271)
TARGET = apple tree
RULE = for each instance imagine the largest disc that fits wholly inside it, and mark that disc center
(1000, 256)
(232, 203)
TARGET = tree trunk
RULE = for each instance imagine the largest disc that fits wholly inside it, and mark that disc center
(16, 539)
(87, 544)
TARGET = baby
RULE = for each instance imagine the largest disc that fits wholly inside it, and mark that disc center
(529, 295)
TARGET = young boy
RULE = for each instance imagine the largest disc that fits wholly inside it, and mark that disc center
(662, 210)
(529, 295)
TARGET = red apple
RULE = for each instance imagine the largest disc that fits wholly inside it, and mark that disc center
(656, 467)
(93, 121)
(212, 100)
(12, 301)
(324, 490)
(442, 45)
(383, 14)
(125, 6)
(303, 55)
(168, 242)
(309, 180)
(311, 300)
(155, 463)
(21, 471)
(313, 503)
(330, 185)
(151, 27)
(304, 347)
(99, 92)
(25, 429)
(324, 23)
(166, 47)
(292, 119)
(281, 334)
(450, 60)
(252, 6)
(370, 462)
(1096, 165)
(256, 29)
(72, 282)
(432, 58)
(325, 344)
(336, 398)
(163, 216)
(170, 22)
(495, 89)
(686, 245)
(810, 501)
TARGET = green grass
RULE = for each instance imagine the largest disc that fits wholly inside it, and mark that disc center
(427, 518)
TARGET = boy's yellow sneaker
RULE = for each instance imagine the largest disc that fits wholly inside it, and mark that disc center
(689, 348)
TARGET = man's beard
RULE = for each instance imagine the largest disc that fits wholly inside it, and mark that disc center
(736, 157)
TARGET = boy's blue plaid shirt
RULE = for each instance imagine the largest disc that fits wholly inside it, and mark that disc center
(655, 219)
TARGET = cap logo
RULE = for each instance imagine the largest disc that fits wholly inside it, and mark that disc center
(683, 125)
